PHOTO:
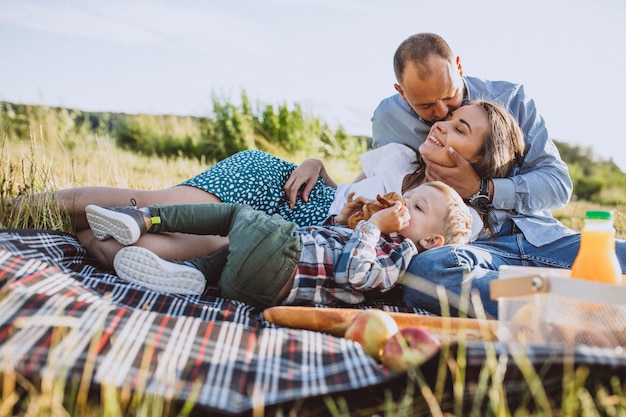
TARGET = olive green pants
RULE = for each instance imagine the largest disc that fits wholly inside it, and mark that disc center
(262, 254)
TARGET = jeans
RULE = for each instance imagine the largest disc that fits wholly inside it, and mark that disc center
(463, 269)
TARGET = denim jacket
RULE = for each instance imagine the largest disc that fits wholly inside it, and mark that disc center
(542, 170)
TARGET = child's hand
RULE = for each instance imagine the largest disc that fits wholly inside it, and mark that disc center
(392, 219)
(352, 205)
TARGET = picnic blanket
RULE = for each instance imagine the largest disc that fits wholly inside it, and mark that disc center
(61, 314)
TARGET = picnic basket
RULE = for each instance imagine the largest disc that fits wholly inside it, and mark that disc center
(546, 306)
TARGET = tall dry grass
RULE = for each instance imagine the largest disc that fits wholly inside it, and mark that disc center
(30, 169)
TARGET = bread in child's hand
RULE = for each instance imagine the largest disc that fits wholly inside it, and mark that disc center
(382, 202)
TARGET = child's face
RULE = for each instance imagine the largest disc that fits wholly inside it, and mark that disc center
(428, 208)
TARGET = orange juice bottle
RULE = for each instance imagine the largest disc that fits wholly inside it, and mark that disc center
(596, 259)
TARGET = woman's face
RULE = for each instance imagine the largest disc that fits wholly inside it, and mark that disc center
(465, 130)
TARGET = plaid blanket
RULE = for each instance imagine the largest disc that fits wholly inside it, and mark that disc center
(62, 315)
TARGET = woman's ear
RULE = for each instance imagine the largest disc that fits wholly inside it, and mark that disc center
(431, 242)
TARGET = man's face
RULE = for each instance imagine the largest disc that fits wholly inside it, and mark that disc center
(434, 97)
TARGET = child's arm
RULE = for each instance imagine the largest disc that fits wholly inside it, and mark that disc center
(392, 219)
(368, 263)
(352, 205)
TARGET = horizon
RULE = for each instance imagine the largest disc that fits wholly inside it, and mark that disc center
(594, 155)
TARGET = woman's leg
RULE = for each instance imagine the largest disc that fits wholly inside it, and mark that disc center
(251, 177)
(74, 200)
(103, 251)
(177, 246)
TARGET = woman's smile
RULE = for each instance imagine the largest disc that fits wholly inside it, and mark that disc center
(437, 142)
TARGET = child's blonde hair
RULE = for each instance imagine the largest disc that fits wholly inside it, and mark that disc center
(458, 222)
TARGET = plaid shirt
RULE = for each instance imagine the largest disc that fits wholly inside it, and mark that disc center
(337, 263)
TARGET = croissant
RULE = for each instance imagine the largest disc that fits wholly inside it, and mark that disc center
(382, 202)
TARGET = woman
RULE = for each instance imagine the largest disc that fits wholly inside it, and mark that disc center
(482, 132)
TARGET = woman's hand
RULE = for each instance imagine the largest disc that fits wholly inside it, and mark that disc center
(302, 180)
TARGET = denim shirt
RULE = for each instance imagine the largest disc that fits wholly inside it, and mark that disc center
(542, 170)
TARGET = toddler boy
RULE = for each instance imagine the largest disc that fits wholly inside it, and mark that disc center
(270, 261)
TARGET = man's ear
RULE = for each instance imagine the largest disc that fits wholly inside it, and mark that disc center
(399, 90)
(459, 66)
(431, 242)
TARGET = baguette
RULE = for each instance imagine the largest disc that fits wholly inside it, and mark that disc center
(335, 321)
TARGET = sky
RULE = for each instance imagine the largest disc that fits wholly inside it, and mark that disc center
(334, 57)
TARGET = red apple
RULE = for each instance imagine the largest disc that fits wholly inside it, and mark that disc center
(371, 328)
(409, 347)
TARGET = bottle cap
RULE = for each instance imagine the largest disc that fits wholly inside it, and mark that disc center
(599, 215)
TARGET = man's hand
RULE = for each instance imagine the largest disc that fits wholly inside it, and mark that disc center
(392, 219)
(461, 177)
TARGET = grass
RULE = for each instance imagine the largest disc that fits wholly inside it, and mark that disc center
(28, 168)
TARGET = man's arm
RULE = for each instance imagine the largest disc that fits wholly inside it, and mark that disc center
(394, 121)
(542, 170)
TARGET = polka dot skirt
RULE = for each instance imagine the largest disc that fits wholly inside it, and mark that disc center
(257, 178)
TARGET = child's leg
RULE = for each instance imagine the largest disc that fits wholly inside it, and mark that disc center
(261, 256)
(198, 219)
(264, 254)
(127, 224)
(142, 266)
(263, 251)
(211, 265)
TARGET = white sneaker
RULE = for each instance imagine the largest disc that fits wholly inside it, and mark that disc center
(142, 266)
(125, 224)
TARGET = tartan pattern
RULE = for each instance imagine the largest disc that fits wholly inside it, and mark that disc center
(61, 314)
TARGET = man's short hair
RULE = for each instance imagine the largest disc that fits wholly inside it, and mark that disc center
(417, 49)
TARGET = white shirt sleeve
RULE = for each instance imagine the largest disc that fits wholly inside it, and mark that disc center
(384, 168)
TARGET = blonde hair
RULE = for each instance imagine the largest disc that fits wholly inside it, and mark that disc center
(458, 221)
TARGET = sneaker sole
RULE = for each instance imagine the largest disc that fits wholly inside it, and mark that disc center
(107, 223)
(142, 266)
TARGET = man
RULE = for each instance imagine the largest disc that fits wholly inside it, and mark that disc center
(430, 84)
